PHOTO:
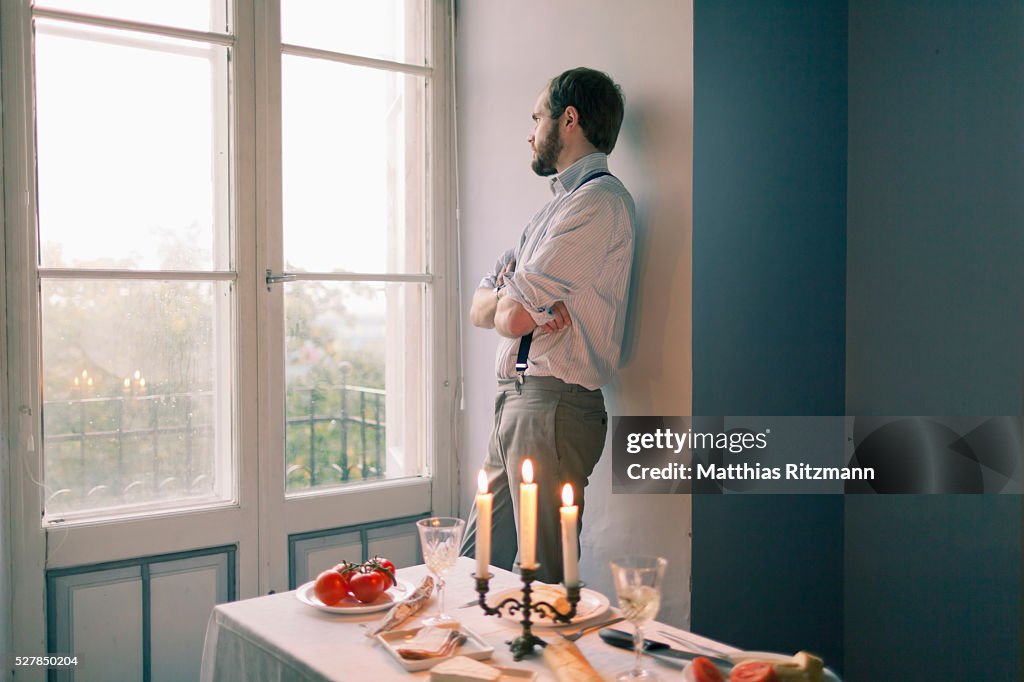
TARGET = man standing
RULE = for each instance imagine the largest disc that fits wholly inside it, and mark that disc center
(558, 300)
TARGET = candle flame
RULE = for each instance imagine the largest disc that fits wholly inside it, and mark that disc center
(567, 495)
(527, 471)
(481, 482)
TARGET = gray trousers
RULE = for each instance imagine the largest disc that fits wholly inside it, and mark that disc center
(560, 427)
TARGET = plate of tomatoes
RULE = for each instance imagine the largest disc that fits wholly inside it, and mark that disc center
(352, 588)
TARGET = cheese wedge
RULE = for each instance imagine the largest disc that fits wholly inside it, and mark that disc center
(463, 669)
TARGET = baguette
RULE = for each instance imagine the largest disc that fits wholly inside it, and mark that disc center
(568, 662)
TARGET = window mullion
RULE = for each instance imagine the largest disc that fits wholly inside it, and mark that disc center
(264, 221)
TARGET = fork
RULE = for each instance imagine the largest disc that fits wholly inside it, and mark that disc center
(693, 645)
(590, 628)
(453, 643)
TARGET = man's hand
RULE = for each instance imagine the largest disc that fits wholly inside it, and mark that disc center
(561, 321)
(509, 268)
(485, 301)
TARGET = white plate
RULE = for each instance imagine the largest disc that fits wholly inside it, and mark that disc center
(475, 647)
(349, 605)
(829, 676)
(592, 605)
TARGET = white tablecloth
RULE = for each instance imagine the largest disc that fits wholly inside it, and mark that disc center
(279, 639)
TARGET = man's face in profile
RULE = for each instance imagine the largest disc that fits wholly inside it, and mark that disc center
(545, 139)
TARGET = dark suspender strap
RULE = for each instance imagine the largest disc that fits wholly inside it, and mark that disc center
(522, 356)
(593, 176)
(524, 352)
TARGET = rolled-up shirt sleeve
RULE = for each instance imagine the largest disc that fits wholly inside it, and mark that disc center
(571, 258)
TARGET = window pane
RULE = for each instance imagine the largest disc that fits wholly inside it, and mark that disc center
(383, 29)
(137, 392)
(200, 15)
(355, 390)
(352, 168)
(132, 150)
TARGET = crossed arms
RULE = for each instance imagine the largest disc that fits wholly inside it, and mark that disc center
(492, 309)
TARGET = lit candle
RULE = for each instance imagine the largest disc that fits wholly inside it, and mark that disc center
(484, 502)
(527, 518)
(570, 560)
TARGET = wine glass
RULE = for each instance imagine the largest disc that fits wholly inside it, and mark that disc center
(638, 588)
(441, 538)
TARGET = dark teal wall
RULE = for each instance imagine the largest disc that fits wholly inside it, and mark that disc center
(911, 114)
(769, 255)
(935, 324)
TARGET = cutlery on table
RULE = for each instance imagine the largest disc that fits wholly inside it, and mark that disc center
(453, 641)
(659, 650)
(691, 644)
(591, 628)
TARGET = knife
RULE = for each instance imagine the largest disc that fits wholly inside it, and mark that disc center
(659, 650)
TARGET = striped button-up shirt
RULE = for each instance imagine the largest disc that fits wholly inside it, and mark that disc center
(578, 249)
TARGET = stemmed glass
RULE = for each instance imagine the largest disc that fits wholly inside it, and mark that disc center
(441, 538)
(638, 588)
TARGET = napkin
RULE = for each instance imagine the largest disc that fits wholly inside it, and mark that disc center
(403, 610)
(430, 642)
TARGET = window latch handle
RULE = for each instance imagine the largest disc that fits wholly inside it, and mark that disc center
(278, 277)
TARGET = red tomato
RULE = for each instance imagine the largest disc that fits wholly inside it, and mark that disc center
(346, 569)
(330, 588)
(705, 671)
(367, 585)
(386, 568)
(753, 671)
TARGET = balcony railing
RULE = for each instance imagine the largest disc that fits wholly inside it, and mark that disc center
(112, 450)
(343, 430)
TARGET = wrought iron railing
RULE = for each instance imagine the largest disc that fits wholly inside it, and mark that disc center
(358, 431)
(94, 445)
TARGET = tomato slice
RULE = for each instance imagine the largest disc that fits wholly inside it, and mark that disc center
(705, 671)
(753, 671)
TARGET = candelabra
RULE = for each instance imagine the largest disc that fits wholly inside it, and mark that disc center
(524, 644)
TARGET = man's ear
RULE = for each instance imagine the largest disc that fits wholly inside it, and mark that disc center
(572, 116)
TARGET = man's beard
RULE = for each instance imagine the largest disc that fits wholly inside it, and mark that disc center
(546, 156)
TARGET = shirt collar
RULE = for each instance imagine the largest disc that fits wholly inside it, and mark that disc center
(568, 180)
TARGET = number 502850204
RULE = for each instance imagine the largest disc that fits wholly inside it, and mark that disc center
(49, 661)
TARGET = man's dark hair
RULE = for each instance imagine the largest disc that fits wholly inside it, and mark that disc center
(598, 99)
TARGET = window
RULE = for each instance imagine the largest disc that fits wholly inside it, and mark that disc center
(355, 190)
(161, 194)
(137, 273)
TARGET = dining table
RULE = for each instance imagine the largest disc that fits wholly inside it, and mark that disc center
(278, 638)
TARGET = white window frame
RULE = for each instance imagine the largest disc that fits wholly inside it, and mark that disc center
(258, 202)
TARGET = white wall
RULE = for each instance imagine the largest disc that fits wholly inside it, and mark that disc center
(6, 610)
(505, 54)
